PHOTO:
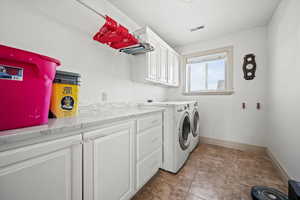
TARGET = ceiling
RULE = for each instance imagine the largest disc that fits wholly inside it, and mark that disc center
(172, 19)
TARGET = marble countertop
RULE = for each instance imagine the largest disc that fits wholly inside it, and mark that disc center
(58, 128)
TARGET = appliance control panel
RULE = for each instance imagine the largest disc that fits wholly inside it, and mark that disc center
(181, 108)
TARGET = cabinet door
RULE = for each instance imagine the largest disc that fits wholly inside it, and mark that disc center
(47, 171)
(158, 62)
(109, 163)
(163, 64)
(152, 61)
(171, 60)
(176, 69)
(173, 68)
(148, 167)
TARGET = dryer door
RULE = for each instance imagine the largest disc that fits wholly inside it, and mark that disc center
(184, 131)
(196, 123)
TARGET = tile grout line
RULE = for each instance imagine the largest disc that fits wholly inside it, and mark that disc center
(194, 178)
(236, 161)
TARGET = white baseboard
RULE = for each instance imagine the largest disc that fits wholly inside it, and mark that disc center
(232, 145)
(248, 147)
(281, 171)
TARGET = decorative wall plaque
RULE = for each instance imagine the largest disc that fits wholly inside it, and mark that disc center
(249, 67)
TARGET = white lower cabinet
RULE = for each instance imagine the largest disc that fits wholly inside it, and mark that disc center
(109, 163)
(149, 148)
(148, 167)
(118, 159)
(148, 141)
(47, 171)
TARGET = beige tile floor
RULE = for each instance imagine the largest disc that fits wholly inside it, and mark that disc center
(214, 173)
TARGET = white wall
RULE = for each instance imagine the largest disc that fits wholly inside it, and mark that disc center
(284, 90)
(222, 116)
(63, 29)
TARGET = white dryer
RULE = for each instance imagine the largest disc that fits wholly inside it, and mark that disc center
(195, 121)
(177, 134)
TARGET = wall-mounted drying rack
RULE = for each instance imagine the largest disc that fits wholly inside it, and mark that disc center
(117, 36)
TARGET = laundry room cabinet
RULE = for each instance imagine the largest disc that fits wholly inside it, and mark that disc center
(120, 158)
(173, 68)
(49, 170)
(163, 65)
(153, 63)
(160, 66)
(109, 162)
(149, 148)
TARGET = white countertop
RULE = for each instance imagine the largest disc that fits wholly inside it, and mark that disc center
(168, 103)
(58, 128)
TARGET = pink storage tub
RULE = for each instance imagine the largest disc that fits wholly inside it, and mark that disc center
(25, 87)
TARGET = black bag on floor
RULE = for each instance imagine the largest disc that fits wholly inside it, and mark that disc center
(266, 193)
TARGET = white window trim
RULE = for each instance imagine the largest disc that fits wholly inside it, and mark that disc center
(228, 70)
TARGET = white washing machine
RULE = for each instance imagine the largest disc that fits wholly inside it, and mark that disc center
(177, 133)
(195, 121)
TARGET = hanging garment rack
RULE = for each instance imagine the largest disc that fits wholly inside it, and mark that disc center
(127, 44)
(90, 8)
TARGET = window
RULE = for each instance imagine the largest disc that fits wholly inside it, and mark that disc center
(209, 72)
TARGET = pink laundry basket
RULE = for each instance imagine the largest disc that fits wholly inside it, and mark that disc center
(25, 87)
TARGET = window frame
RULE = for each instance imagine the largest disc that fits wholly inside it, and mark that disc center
(228, 72)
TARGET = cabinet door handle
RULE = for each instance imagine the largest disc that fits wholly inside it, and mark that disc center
(154, 121)
(154, 140)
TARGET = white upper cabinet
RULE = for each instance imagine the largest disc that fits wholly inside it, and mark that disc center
(171, 60)
(160, 66)
(163, 66)
(173, 68)
(176, 67)
(153, 61)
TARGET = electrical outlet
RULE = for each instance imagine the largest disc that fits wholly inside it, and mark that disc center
(104, 96)
(244, 105)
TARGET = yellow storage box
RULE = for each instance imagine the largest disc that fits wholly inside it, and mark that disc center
(64, 99)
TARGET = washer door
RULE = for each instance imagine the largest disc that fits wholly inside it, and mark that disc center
(196, 123)
(184, 131)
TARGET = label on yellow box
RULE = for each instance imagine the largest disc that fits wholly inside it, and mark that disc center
(64, 100)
